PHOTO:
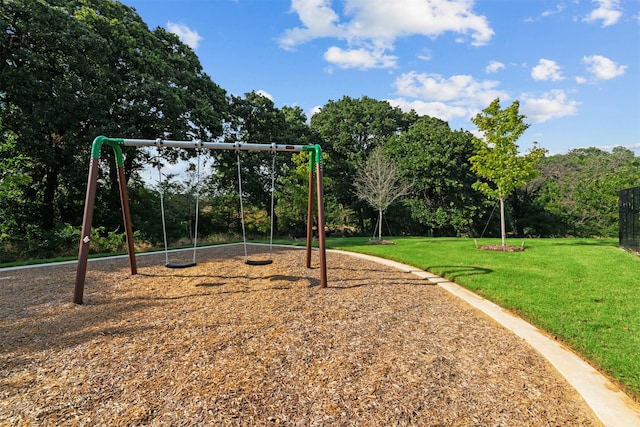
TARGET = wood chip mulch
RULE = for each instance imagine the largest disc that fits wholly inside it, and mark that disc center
(229, 344)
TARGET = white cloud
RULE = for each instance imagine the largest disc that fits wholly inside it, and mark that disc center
(374, 25)
(559, 8)
(546, 70)
(434, 109)
(315, 110)
(602, 68)
(425, 54)
(460, 89)
(494, 67)
(459, 96)
(319, 20)
(550, 105)
(548, 12)
(609, 11)
(265, 94)
(581, 80)
(359, 58)
(188, 36)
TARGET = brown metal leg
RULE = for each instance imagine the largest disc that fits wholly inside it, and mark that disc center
(126, 217)
(83, 252)
(321, 239)
(310, 217)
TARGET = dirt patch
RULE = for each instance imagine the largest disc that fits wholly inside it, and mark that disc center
(225, 343)
(500, 248)
(380, 242)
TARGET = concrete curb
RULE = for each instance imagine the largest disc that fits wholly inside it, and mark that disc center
(608, 402)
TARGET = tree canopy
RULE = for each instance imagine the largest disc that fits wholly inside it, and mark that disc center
(73, 70)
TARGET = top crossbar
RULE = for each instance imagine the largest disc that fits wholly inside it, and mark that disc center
(216, 145)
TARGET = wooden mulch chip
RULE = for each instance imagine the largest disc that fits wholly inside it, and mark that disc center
(225, 343)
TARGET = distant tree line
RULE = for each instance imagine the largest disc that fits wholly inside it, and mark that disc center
(75, 69)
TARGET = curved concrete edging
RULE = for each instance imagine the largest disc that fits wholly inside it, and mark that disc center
(608, 402)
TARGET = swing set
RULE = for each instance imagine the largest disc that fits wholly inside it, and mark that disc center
(315, 165)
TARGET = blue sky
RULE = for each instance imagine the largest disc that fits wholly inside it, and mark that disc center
(574, 65)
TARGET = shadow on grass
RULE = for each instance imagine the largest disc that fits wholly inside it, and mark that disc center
(590, 242)
(452, 272)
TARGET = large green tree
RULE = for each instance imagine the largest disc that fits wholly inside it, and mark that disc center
(253, 118)
(497, 161)
(293, 181)
(580, 191)
(349, 129)
(75, 69)
(435, 158)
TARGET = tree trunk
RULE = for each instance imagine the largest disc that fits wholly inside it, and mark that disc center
(50, 187)
(380, 225)
(503, 228)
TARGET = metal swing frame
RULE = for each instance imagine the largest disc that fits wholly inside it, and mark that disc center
(315, 165)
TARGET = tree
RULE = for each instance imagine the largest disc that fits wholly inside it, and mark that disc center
(378, 183)
(72, 70)
(255, 119)
(349, 130)
(293, 179)
(435, 158)
(580, 191)
(497, 160)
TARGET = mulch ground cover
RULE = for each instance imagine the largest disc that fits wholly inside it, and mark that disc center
(225, 343)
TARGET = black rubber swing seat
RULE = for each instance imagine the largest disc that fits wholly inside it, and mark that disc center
(187, 265)
(258, 262)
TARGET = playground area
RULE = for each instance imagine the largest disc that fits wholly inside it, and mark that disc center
(225, 343)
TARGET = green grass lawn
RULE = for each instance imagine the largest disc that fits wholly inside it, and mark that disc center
(585, 292)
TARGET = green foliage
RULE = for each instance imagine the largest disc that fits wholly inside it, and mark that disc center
(98, 62)
(349, 130)
(252, 119)
(580, 189)
(497, 159)
(434, 159)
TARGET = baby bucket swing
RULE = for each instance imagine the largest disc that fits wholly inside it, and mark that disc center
(168, 263)
(268, 260)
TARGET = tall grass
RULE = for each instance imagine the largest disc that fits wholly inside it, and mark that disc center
(585, 292)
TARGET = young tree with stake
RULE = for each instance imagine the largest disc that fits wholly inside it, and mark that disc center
(497, 160)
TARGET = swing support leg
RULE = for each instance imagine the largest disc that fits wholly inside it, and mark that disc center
(89, 204)
(126, 218)
(316, 161)
(310, 213)
(321, 240)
